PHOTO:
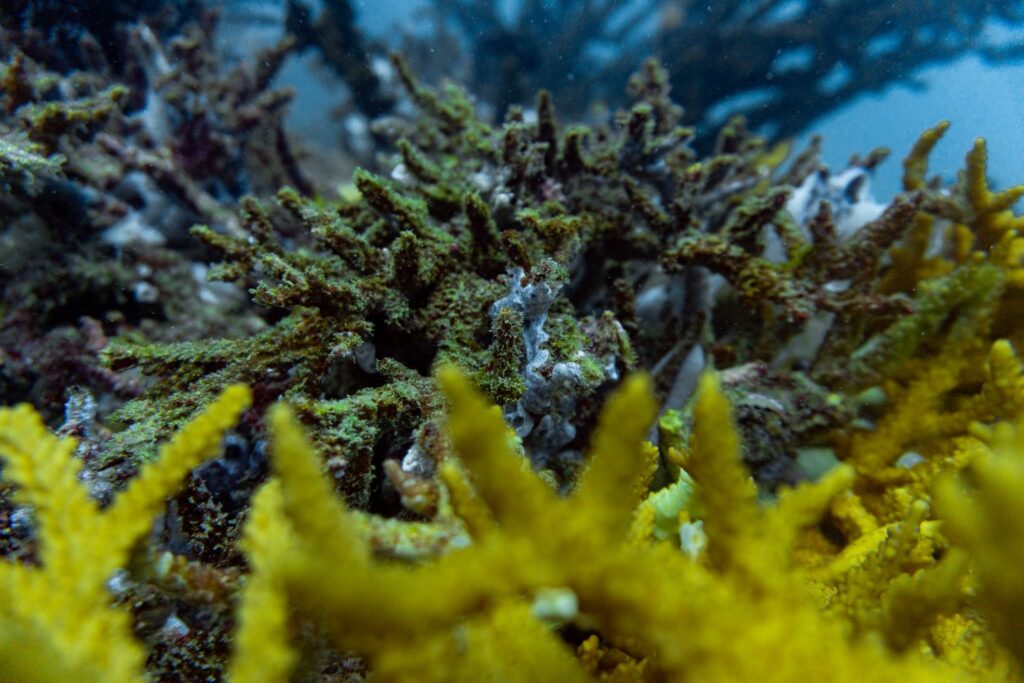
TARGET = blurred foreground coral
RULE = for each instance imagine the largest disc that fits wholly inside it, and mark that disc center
(56, 618)
(550, 587)
(546, 576)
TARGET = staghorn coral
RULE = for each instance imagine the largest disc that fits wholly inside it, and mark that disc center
(618, 226)
(983, 511)
(541, 567)
(56, 618)
(865, 354)
(86, 35)
(103, 172)
(536, 557)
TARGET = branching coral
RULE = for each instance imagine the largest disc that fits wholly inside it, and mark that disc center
(540, 566)
(676, 617)
(864, 354)
(613, 243)
(56, 617)
(102, 170)
(983, 510)
(984, 514)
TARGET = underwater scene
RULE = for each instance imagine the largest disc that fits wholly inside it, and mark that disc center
(511, 340)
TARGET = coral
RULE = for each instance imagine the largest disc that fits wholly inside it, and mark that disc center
(89, 34)
(711, 409)
(549, 260)
(103, 170)
(984, 514)
(587, 559)
(24, 160)
(56, 617)
(574, 560)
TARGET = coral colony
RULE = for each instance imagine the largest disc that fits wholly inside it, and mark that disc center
(521, 399)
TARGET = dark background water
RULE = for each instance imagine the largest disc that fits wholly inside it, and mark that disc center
(979, 98)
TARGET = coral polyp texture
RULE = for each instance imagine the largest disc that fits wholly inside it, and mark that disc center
(526, 400)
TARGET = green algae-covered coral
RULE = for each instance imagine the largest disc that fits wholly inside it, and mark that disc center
(547, 260)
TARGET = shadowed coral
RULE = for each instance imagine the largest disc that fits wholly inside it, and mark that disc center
(57, 616)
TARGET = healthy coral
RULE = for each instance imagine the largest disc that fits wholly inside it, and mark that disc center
(540, 565)
(56, 618)
(811, 466)
(743, 599)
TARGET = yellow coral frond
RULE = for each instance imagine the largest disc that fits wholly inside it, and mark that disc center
(727, 493)
(41, 633)
(977, 183)
(853, 519)
(61, 610)
(915, 166)
(479, 613)
(912, 602)
(802, 506)
(262, 653)
(861, 584)
(991, 216)
(508, 645)
(79, 631)
(988, 520)
(132, 512)
(26, 657)
(515, 496)
(805, 504)
(621, 465)
(913, 417)
(1006, 380)
(307, 498)
(609, 665)
(46, 472)
(392, 599)
(466, 504)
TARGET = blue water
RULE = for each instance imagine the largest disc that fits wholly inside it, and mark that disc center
(980, 100)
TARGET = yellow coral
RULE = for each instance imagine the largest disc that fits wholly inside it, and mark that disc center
(990, 216)
(727, 493)
(261, 651)
(986, 515)
(881, 608)
(483, 612)
(56, 617)
(915, 166)
(886, 579)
